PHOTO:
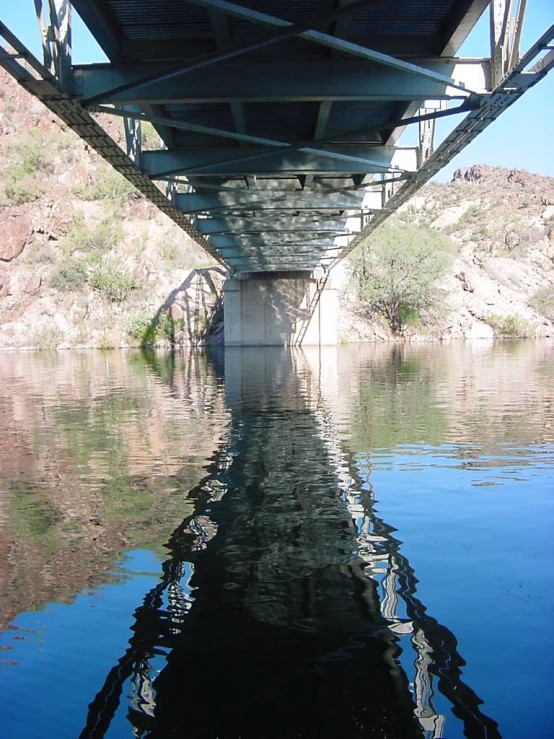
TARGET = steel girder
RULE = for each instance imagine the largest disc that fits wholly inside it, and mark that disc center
(269, 202)
(224, 162)
(291, 81)
(279, 143)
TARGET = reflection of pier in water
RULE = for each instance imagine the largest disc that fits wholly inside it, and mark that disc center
(278, 613)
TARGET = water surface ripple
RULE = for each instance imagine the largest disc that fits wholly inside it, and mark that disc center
(350, 542)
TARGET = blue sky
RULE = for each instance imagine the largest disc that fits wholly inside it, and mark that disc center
(522, 137)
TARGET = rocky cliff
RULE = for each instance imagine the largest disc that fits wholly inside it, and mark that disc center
(86, 261)
(500, 282)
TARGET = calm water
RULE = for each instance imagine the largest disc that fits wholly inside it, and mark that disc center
(346, 543)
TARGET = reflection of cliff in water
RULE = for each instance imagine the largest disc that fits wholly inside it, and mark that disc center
(272, 618)
(94, 453)
(501, 393)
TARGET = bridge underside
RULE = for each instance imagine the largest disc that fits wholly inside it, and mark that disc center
(279, 122)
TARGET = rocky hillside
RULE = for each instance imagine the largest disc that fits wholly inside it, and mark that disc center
(86, 261)
(500, 224)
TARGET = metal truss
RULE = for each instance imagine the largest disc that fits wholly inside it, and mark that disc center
(307, 189)
(39, 81)
(526, 73)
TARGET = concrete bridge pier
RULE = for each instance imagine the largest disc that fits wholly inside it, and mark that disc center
(279, 309)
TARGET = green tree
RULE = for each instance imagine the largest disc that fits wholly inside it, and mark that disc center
(543, 301)
(396, 274)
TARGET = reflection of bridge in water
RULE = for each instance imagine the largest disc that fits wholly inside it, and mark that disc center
(285, 598)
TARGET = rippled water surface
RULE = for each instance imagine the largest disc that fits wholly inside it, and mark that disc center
(351, 542)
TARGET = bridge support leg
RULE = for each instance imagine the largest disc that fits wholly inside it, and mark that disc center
(279, 309)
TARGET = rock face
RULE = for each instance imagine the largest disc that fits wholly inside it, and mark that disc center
(86, 261)
(501, 224)
(15, 230)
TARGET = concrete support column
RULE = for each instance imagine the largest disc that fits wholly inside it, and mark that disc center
(279, 309)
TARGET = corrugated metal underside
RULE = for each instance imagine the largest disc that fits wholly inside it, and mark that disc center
(177, 20)
(294, 92)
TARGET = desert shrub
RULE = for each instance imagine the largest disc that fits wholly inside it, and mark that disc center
(21, 189)
(38, 254)
(107, 184)
(147, 331)
(32, 153)
(472, 215)
(27, 160)
(9, 109)
(69, 275)
(171, 251)
(543, 301)
(139, 327)
(512, 326)
(47, 336)
(112, 279)
(169, 327)
(519, 234)
(398, 277)
(98, 237)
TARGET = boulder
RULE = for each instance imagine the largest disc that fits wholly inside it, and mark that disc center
(16, 230)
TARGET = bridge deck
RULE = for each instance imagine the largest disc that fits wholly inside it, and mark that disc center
(279, 122)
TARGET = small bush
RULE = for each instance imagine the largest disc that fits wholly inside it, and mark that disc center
(398, 277)
(46, 337)
(513, 326)
(112, 280)
(38, 254)
(28, 158)
(100, 237)
(543, 301)
(472, 215)
(148, 331)
(69, 275)
(410, 317)
(519, 234)
(169, 328)
(171, 252)
(108, 184)
(21, 188)
(140, 327)
(31, 154)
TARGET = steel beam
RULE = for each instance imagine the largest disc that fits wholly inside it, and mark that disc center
(246, 138)
(60, 17)
(298, 264)
(229, 162)
(506, 20)
(55, 32)
(207, 60)
(171, 50)
(338, 44)
(461, 22)
(255, 240)
(239, 226)
(469, 104)
(291, 81)
(43, 27)
(503, 97)
(200, 203)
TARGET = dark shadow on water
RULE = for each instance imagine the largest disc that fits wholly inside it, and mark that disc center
(268, 613)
